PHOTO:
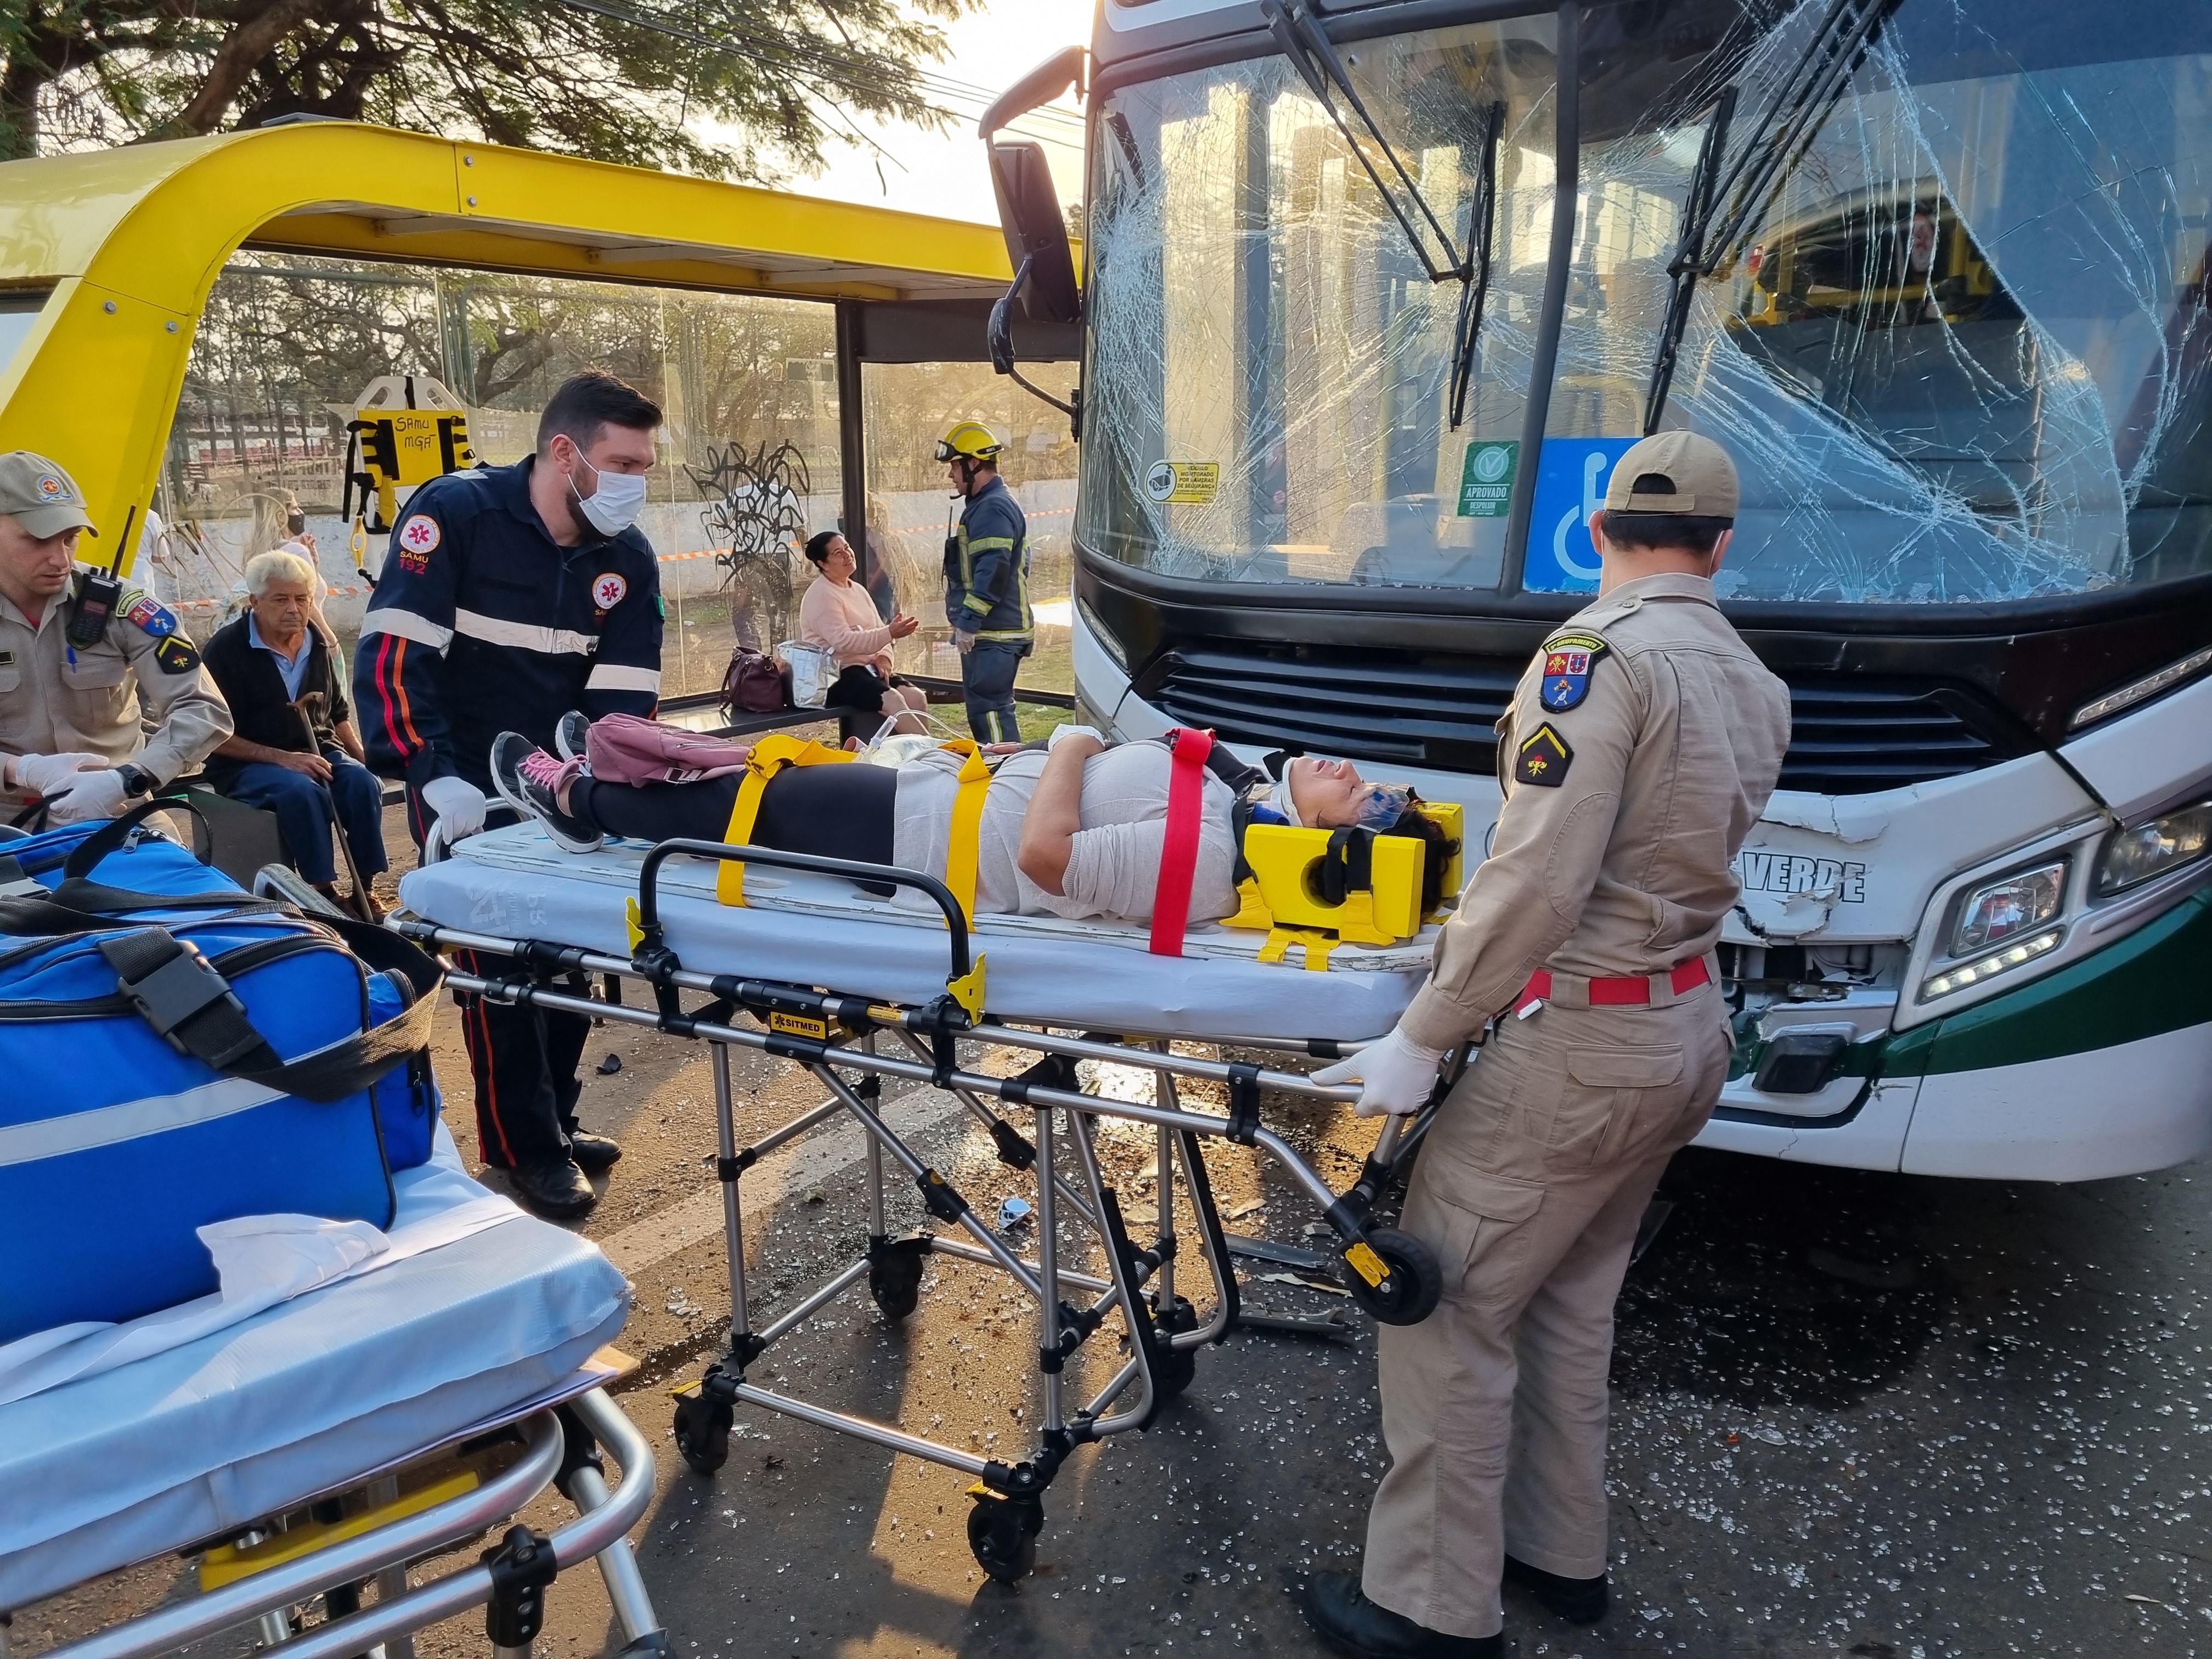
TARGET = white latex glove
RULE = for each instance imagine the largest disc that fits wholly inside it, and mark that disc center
(964, 640)
(47, 775)
(1059, 732)
(1397, 1073)
(458, 803)
(93, 795)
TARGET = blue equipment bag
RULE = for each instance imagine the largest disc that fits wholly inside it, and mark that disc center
(175, 1052)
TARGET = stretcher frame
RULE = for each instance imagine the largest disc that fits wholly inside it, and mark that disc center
(562, 1438)
(1389, 1274)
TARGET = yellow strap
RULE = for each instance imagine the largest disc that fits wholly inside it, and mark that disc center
(769, 757)
(963, 848)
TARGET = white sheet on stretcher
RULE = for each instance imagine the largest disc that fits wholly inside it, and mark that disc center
(185, 1445)
(816, 930)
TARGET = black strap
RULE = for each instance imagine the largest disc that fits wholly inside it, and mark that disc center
(1348, 865)
(192, 1006)
(110, 836)
(1240, 820)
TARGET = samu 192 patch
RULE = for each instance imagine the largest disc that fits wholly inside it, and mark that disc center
(150, 614)
(175, 655)
(1542, 758)
(1569, 661)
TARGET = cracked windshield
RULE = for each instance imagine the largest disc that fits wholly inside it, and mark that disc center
(1270, 361)
(1957, 342)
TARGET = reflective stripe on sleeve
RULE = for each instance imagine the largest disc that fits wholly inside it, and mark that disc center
(526, 636)
(613, 676)
(406, 625)
(985, 543)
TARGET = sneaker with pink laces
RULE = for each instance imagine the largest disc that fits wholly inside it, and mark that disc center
(530, 781)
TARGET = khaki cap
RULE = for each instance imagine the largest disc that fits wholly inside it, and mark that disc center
(1703, 477)
(40, 496)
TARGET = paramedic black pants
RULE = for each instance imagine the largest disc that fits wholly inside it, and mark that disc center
(987, 676)
(523, 1061)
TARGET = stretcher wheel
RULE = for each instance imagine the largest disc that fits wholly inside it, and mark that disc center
(1177, 1366)
(702, 1432)
(895, 1273)
(1002, 1533)
(1408, 1293)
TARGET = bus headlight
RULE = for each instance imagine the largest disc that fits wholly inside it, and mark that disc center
(1988, 967)
(2134, 856)
(2008, 907)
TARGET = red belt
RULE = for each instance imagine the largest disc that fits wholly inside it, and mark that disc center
(1613, 991)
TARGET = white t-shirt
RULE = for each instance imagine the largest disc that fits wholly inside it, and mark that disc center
(1114, 866)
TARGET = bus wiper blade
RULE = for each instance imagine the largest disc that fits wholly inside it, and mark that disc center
(1697, 208)
(1476, 289)
(1307, 45)
(1793, 118)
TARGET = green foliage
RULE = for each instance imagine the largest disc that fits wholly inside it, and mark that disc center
(727, 88)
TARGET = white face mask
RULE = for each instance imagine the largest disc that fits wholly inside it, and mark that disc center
(614, 506)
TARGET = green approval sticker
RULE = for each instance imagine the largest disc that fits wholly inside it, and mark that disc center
(1486, 477)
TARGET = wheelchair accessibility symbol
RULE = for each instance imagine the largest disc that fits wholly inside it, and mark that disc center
(1571, 481)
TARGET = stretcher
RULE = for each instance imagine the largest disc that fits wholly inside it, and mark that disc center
(324, 1447)
(856, 989)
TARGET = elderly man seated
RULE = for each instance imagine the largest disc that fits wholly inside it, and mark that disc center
(294, 751)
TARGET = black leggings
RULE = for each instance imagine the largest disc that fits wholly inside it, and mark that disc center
(842, 811)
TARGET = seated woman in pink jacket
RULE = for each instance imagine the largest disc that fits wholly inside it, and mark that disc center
(836, 614)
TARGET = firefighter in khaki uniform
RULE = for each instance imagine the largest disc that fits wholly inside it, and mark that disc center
(88, 727)
(1642, 745)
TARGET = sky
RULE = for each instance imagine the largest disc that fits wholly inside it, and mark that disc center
(944, 174)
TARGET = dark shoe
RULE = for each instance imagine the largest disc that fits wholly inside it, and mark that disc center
(527, 779)
(1339, 1611)
(557, 1191)
(593, 1152)
(1578, 1600)
(568, 735)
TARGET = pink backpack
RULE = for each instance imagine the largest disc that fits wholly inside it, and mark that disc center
(625, 749)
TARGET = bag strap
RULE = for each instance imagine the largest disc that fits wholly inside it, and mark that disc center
(770, 757)
(192, 1005)
(963, 842)
(1179, 847)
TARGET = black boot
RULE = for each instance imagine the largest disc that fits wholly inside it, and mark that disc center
(1578, 1600)
(1339, 1611)
(593, 1152)
(558, 1192)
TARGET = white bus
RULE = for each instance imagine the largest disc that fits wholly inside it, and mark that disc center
(1375, 293)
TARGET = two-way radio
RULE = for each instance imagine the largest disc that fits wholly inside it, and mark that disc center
(99, 593)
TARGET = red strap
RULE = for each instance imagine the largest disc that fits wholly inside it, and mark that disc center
(1179, 847)
(1689, 976)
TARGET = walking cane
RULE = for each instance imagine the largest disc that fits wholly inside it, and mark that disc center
(309, 704)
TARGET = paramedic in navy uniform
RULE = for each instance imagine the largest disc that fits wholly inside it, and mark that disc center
(511, 595)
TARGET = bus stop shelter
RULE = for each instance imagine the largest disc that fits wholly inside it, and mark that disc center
(107, 258)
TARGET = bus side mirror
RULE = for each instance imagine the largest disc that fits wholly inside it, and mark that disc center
(1037, 234)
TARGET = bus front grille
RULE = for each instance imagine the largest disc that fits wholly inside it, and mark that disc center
(1849, 736)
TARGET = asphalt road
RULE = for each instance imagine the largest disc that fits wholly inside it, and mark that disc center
(1854, 1414)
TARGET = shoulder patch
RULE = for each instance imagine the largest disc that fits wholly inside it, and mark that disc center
(149, 614)
(416, 540)
(1542, 758)
(1570, 660)
(609, 591)
(175, 655)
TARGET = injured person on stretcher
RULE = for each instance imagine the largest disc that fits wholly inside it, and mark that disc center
(1075, 828)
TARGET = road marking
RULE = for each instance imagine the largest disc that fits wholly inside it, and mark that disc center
(794, 1166)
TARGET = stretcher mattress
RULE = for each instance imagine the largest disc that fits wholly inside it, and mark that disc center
(186, 1444)
(806, 929)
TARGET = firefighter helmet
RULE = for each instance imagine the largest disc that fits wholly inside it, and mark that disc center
(970, 441)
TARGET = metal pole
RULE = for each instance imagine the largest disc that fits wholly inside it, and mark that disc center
(733, 1218)
(1048, 1267)
(852, 438)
